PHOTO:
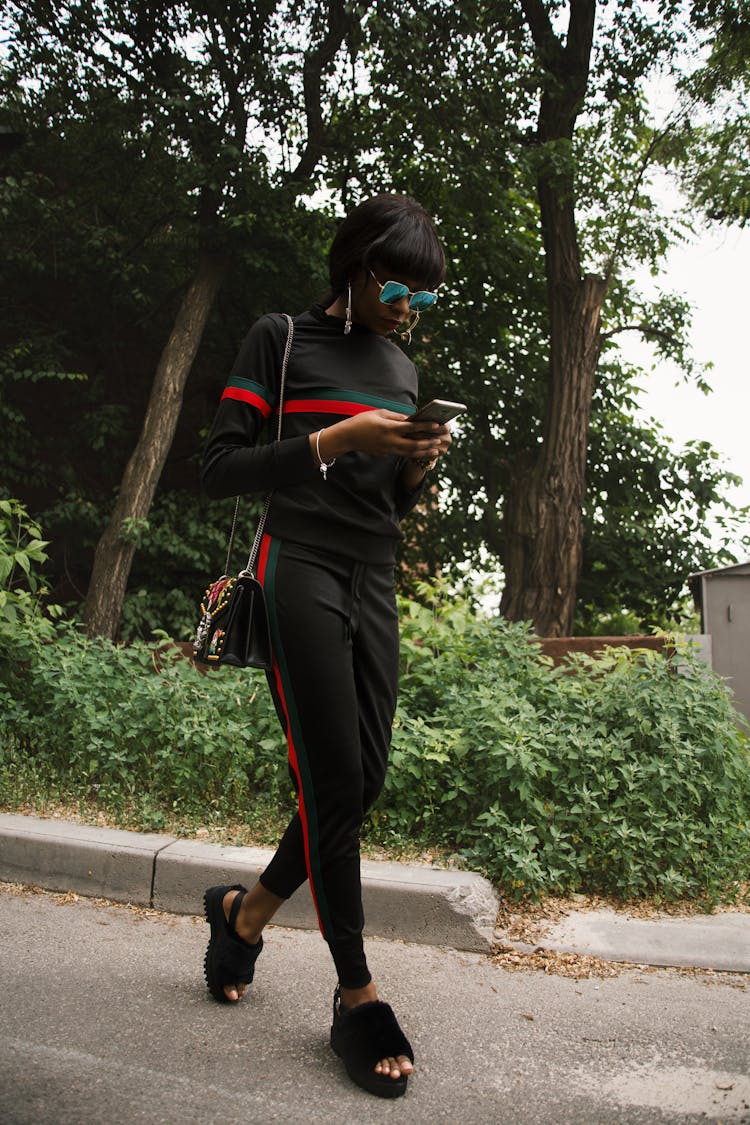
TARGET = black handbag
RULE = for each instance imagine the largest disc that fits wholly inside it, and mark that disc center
(233, 627)
(234, 624)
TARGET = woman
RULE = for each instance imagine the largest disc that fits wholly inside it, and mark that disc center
(349, 466)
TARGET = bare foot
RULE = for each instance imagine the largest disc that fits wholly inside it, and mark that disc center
(256, 911)
(393, 1067)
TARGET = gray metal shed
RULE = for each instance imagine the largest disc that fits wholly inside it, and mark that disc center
(723, 598)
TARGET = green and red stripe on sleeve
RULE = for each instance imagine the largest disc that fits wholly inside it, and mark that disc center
(245, 390)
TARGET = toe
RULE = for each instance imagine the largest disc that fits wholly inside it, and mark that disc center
(234, 992)
(394, 1068)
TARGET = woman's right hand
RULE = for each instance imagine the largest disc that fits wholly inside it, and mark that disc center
(382, 433)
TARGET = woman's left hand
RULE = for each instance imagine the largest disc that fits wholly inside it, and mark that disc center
(439, 436)
(434, 436)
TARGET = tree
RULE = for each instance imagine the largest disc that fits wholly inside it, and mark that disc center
(197, 73)
(543, 525)
(97, 231)
(102, 229)
(569, 192)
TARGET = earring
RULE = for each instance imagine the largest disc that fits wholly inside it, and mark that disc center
(348, 325)
(406, 334)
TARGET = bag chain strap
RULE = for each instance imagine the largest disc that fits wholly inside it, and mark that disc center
(252, 557)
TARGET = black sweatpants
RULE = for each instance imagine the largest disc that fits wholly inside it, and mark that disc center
(334, 682)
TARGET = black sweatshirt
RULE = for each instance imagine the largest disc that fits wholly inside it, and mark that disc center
(330, 376)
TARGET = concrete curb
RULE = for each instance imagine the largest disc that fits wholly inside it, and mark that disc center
(720, 942)
(426, 905)
(63, 856)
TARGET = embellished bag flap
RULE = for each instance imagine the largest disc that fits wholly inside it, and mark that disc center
(214, 609)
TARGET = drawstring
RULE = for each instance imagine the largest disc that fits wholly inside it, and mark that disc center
(355, 596)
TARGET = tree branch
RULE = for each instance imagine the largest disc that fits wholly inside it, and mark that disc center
(656, 140)
(648, 330)
(313, 73)
(580, 37)
(546, 42)
(226, 67)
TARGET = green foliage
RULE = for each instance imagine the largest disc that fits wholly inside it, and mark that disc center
(187, 133)
(94, 294)
(135, 161)
(118, 722)
(22, 555)
(712, 151)
(466, 76)
(624, 775)
(653, 514)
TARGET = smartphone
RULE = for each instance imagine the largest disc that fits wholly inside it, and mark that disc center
(439, 410)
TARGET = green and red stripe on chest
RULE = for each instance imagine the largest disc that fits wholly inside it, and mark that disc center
(331, 401)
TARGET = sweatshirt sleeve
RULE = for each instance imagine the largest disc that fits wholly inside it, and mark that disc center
(233, 461)
(407, 498)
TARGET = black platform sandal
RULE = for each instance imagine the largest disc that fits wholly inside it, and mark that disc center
(229, 958)
(364, 1035)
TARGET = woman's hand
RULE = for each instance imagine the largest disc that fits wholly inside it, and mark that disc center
(383, 433)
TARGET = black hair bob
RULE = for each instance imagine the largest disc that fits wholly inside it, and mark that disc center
(392, 230)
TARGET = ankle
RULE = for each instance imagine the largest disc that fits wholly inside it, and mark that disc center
(256, 911)
(246, 926)
(249, 933)
(351, 997)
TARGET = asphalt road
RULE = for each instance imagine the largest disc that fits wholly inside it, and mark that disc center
(105, 1018)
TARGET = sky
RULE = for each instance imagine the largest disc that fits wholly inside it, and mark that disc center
(713, 273)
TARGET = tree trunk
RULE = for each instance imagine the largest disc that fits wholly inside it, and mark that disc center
(115, 549)
(543, 522)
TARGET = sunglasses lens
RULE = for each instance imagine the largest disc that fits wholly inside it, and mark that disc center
(392, 291)
(422, 300)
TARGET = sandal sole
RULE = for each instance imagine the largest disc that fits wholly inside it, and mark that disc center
(213, 908)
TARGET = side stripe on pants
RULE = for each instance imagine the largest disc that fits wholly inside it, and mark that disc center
(267, 562)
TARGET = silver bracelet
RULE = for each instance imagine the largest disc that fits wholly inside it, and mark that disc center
(324, 466)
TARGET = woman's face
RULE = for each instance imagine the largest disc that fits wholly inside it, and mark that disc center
(369, 310)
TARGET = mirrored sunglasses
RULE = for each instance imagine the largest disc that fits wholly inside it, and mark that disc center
(393, 291)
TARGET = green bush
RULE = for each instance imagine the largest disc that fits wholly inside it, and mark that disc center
(624, 775)
(120, 722)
